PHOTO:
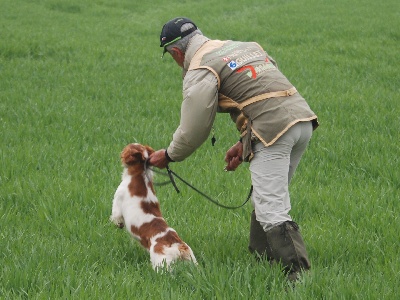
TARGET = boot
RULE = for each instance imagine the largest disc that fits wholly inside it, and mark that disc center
(258, 244)
(287, 247)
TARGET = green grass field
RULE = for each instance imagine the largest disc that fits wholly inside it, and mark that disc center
(81, 79)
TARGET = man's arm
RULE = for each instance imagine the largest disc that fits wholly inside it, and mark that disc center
(198, 110)
(199, 106)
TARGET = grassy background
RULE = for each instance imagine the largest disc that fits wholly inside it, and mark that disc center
(81, 79)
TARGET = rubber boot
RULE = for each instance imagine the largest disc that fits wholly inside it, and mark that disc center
(287, 247)
(258, 244)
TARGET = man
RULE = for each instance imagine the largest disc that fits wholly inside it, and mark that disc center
(274, 121)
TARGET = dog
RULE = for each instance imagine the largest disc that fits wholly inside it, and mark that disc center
(136, 207)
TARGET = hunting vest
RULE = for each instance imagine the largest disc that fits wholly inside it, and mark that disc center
(260, 99)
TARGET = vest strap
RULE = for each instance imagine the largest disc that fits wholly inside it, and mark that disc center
(265, 96)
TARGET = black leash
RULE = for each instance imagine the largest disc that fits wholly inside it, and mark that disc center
(171, 175)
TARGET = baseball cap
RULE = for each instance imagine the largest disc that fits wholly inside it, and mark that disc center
(171, 31)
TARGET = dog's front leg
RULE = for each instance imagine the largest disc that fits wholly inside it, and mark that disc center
(116, 214)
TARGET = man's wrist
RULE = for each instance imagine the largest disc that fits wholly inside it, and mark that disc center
(167, 156)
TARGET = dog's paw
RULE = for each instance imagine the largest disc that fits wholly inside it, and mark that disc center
(119, 222)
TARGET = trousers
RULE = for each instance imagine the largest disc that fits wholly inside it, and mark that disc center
(271, 170)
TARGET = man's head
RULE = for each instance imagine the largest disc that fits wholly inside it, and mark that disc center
(175, 36)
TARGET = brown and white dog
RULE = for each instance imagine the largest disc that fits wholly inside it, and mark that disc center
(136, 207)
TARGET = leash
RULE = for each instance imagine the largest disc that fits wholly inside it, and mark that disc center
(171, 175)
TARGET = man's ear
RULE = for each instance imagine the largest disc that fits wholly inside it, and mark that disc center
(177, 55)
(174, 49)
(175, 52)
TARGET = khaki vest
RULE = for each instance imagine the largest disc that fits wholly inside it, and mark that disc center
(260, 99)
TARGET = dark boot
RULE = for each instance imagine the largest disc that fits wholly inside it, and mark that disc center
(287, 247)
(258, 244)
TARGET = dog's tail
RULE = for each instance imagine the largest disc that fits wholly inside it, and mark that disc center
(186, 253)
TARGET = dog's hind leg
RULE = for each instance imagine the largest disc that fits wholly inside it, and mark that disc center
(192, 257)
(186, 253)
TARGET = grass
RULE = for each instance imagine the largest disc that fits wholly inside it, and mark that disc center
(81, 79)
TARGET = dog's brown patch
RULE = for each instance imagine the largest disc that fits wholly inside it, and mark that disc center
(137, 186)
(148, 230)
(152, 208)
(166, 241)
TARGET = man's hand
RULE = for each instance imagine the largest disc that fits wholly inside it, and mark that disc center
(233, 157)
(158, 159)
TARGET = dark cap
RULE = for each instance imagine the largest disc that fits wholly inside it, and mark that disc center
(171, 31)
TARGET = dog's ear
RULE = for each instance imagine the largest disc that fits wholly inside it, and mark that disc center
(150, 150)
(131, 155)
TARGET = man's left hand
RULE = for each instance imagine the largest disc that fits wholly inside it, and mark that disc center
(233, 157)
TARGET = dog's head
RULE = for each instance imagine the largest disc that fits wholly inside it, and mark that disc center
(134, 154)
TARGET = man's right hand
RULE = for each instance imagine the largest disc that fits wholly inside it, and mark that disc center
(158, 159)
